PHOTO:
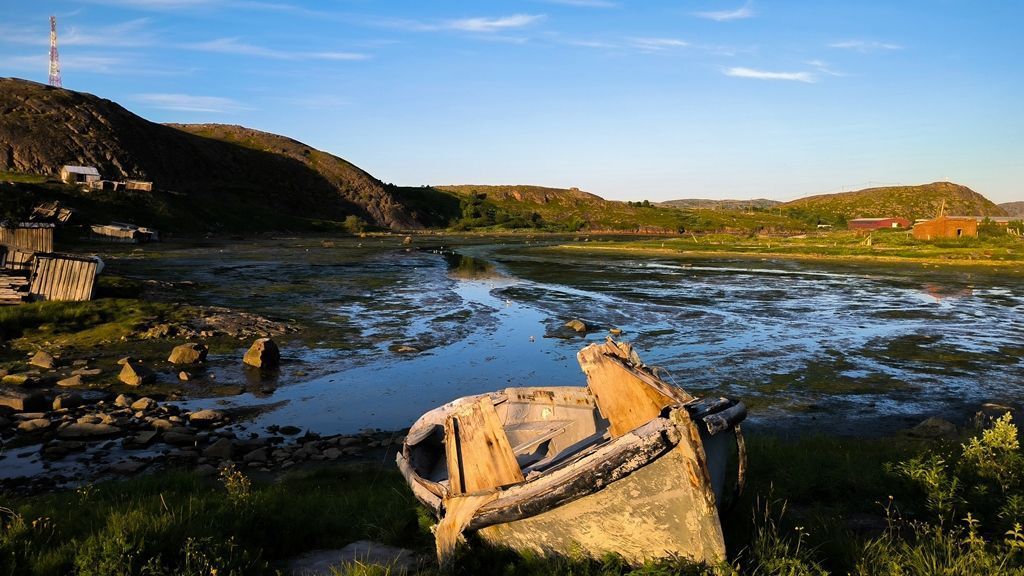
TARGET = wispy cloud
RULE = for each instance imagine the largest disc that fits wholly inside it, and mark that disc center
(493, 24)
(865, 46)
(237, 46)
(190, 103)
(740, 13)
(69, 63)
(585, 3)
(824, 67)
(644, 45)
(658, 44)
(156, 4)
(130, 33)
(740, 72)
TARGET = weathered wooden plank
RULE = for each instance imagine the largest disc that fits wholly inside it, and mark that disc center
(479, 454)
(623, 397)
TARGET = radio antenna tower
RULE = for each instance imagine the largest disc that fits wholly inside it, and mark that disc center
(54, 58)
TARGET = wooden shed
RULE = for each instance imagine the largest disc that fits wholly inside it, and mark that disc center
(121, 232)
(79, 174)
(63, 276)
(32, 236)
(946, 227)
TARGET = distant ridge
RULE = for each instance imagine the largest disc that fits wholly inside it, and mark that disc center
(1013, 208)
(911, 202)
(228, 176)
(708, 204)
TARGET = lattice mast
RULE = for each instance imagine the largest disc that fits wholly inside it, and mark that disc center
(54, 58)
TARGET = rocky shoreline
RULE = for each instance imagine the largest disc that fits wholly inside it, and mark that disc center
(80, 441)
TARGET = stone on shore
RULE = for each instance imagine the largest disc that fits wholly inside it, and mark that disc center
(67, 400)
(22, 401)
(143, 404)
(189, 353)
(74, 381)
(577, 325)
(135, 374)
(205, 417)
(83, 430)
(222, 449)
(33, 425)
(43, 360)
(934, 428)
(263, 353)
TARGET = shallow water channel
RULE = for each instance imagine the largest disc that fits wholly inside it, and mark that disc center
(861, 350)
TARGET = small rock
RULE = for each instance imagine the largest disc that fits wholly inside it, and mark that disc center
(577, 325)
(407, 240)
(263, 353)
(205, 470)
(222, 449)
(180, 436)
(144, 403)
(184, 376)
(87, 372)
(404, 349)
(74, 381)
(332, 453)
(43, 360)
(161, 424)
(140, 440)
(89, 419)
(66, 400)
(125, 360)
(136, 374)
(189, 353)
(83, 430)
(615, 331)
(34, 425)
(935, 428)
(257, 455)
(25, 379)
(289, 430)
(127, 467)
(205, 417)
(123, 401)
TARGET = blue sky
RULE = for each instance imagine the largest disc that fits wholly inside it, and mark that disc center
(627, 99)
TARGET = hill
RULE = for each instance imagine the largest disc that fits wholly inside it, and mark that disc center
(1013, 208)
(573, 209)
(707, 204)
(911, 202)
(224, 176)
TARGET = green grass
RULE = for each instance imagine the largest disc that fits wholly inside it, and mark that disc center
(992, 247)
(159, 521)
(941, 508)
(911, 202)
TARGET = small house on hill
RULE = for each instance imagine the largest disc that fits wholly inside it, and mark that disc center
(946, 227)
(877, 223)
(79, 174)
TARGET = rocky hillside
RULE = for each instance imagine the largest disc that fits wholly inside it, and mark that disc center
(911, 202)
(707, 204)
(220, 170)
(1013, 208)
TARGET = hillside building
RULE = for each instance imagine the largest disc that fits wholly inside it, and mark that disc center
(877, 223)
(79, 174)
(947, 227)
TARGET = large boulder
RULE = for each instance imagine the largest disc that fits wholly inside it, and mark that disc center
(263, 354)
(189, 353)
(22, 401)
(205, 417)
(136, 374)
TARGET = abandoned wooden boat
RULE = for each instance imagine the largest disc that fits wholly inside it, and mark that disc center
(628, 464)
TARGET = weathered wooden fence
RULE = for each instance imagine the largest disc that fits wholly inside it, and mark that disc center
(33, 236)
(62, 277)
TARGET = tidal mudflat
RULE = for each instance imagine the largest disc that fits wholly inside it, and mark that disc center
(391, 330)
